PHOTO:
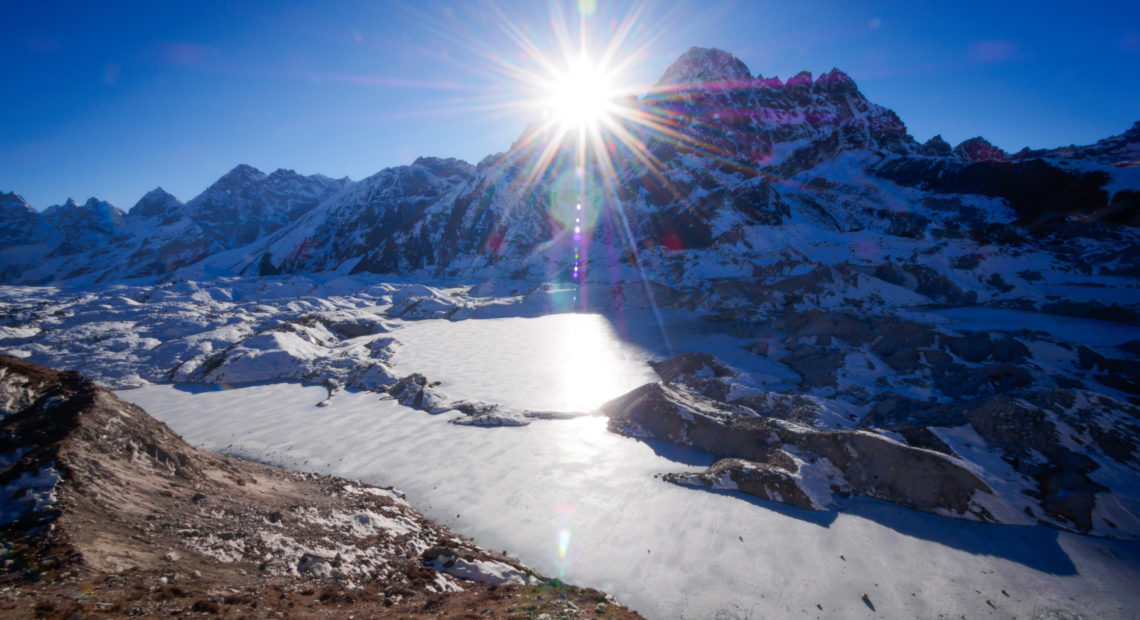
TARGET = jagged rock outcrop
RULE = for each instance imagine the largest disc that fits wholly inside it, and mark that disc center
(932, 456)
(979, 149)
(783, 462)
(935, 147)
(80, 227)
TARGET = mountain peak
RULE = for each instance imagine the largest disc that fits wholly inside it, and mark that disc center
(12, 200)
(95, 204)
(835, 81)
(935, 147)
(803, 78)
(980, 149)
(244, 172)
(1133, 133)
(705, 67)
(156, 202)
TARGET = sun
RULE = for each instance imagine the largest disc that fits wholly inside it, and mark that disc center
(579, 97)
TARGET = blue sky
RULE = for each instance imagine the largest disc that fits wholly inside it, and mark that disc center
(113, 99)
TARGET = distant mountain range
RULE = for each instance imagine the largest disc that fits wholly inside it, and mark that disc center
(720, 174)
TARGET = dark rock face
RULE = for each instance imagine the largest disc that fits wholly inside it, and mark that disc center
(674, 413)
(393, 224)
(979, 149)
(416, 391)
(878, 467)
(79, 228)
(19, 222)
(776, 446)
(935, 147)
(1024, 428)
(831, 112)
(760, 449)
(690, 365)
(156, 203)
(1034, 188)
(774, 483)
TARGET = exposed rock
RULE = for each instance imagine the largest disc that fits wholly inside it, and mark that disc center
(416, 391)
(935, 147)
(778, 484)
(674, 413)
(775, 447)
(856, 462)
(156, 203)
(979, 149)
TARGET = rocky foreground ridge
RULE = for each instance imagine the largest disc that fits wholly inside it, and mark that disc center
(105, 511)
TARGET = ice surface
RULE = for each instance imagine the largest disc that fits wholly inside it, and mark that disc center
(667, 551)
(559, 362)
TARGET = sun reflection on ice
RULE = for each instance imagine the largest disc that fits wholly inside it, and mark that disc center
(588, 376)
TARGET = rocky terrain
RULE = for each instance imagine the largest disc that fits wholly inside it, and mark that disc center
(1015, 455)
(105, 511)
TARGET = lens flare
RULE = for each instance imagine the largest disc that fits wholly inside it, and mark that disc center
(580, 96)
(563, 543)
(563, 516)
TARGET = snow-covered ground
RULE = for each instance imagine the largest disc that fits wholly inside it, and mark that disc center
(574, 500)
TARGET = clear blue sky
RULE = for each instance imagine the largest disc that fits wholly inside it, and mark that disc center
(112, 99)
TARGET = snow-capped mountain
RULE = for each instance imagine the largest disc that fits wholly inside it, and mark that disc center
(19, 222)
(246, 204)
(80, 227)
(98, 242)
(715, 158)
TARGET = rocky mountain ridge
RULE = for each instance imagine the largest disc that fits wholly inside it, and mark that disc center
(715, 159)
(98, 242)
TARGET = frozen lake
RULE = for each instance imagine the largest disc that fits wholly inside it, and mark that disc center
(668, 551)
(563, 362)
(559, 362)
(573, 500)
